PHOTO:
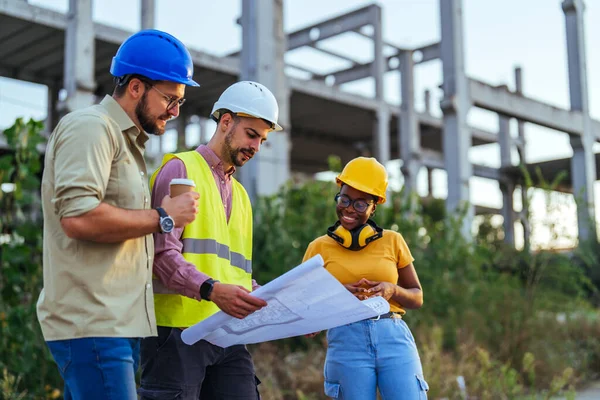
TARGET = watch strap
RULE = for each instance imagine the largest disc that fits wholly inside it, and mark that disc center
(206, 288)
(161, 212)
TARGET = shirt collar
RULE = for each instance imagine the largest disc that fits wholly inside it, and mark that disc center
(214, 161)
(125, 123)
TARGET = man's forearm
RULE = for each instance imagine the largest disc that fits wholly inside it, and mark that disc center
(110, 224)
(178, 274)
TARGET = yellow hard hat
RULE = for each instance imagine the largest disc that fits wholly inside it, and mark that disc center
(367, 175)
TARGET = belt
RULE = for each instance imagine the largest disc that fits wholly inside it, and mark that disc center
(389, 314)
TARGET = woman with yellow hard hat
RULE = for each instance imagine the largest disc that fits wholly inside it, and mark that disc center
(378, 353)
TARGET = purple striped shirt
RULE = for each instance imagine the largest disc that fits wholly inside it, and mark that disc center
(169, 265)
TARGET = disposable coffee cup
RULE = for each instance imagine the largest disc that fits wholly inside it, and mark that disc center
(180, 185)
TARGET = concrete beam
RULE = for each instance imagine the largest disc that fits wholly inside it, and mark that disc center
(24, 76)
(435, 160)
(476, 133)
(360, 71)
(429, 52)
(26, 11)
(333, 53)
(332, 93)
(386, 43)
(53, 19)
(344, 23)
(502, 101)
(365, 70)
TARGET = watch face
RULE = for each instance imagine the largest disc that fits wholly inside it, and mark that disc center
(167, 224)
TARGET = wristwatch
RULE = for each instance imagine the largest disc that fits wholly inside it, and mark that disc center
(165, 222)
(206, 288)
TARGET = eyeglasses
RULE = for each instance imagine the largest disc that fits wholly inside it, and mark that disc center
(171, 101)
(359, 205)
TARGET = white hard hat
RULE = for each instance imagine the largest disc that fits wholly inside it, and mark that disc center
(249, 98)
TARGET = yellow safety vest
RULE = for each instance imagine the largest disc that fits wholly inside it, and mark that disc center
(219, 249)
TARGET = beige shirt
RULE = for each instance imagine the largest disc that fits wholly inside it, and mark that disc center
(95, 289)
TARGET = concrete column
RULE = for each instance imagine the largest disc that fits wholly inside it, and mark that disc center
(181, 123)
(524, 215)
(203, 131)
(507, 188)
(52, 115)
(408, 127)
(430, 181)
(263, 49)
(427, 100)
(382, 115)
(455, 106)
(382, 123)
(148, 15)
(79, 56)
(583, 163)
(148, 21)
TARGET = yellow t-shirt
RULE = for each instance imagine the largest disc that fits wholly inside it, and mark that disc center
(379, 261)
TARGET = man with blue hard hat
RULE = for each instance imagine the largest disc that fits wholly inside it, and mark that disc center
(97, 300)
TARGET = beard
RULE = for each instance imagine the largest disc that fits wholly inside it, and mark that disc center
(236, 155)
(147, 122)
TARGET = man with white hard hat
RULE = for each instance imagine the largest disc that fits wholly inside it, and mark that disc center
(207, 266)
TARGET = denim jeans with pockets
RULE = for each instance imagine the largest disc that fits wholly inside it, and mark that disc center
(371, 354)
(97, 368)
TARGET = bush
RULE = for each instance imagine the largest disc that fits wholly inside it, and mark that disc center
(28, 371)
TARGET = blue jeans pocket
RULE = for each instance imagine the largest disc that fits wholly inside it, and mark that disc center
(61, 352)
(423, 386)
(332, 389)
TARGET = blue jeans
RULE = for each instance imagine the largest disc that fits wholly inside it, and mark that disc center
(371, 354)
(97, 368)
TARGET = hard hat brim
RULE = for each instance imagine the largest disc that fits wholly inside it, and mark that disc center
(380, 196)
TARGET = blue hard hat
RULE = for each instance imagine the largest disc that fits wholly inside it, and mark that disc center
(155, 55)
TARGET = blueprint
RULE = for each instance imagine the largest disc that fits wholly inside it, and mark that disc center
(304, 300)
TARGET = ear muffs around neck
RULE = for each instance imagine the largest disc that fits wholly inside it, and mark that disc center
(356, 239)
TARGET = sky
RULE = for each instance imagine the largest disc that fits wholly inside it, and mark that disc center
(499, 35)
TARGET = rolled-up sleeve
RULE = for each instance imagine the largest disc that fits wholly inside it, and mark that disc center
(83, 155)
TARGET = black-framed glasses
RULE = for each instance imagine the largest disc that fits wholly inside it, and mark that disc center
(359, 205)
(171, 101)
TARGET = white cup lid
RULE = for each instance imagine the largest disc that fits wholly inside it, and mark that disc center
(182, 181)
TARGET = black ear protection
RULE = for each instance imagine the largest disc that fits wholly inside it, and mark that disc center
(357, 238)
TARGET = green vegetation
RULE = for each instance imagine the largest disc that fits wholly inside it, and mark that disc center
(511, 324)
(26, 367)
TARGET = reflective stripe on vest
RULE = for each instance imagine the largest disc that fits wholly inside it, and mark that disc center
(206, 246)
(211, 246)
